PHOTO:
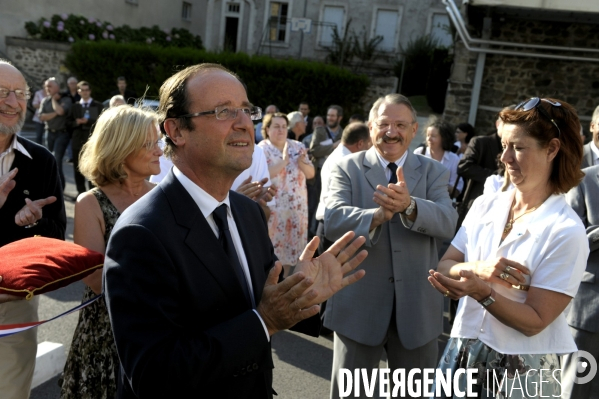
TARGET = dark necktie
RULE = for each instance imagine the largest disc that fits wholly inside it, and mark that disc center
(393, 167)
(225, 239)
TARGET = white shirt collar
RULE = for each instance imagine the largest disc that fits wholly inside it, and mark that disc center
(384, 162)
(205, 201)
(16, 146)
(83, 102)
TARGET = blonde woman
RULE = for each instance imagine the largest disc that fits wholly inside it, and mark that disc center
(121, 154)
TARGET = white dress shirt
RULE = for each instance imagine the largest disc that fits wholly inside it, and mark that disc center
(8, 156)
(325, 176)
(207, 205)
(258, 170)
(450, 161)
(595, 153)
(550, 241)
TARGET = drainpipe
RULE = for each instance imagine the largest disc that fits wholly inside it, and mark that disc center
(478, 75)
(453, 9)
(456, 19)
(209, 18)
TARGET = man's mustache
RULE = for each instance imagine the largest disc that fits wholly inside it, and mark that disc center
(390, 140)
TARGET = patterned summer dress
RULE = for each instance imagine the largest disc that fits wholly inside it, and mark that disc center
(93, 363)
(288, 223)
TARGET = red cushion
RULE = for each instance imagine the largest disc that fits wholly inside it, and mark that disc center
(36, 265)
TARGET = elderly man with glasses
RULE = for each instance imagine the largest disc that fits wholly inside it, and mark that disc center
(30, 204)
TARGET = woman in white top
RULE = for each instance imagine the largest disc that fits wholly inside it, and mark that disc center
(439, 138)
(518, 259)
(464, 132)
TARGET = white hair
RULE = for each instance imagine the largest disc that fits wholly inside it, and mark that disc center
(294, 117)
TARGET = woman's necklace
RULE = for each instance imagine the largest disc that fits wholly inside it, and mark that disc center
(510, 223)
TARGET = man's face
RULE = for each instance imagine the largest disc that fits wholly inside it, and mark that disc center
(304, 109)
(12, 111)
(72, 83)
(333, 118)
(218, 147)
(121, 84)
(85, 92)
(271, 109)
(51, 88)
(392, 131)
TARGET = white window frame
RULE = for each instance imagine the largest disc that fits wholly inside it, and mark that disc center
(432, 13)
(190, 6)
(318, 46)
(266, 35)
(375, 12)
(226, 13)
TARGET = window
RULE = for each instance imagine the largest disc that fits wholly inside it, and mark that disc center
(186, 11)
(233, 8)
(277, 28)
(440, 29)
(386, 26)
(331, 15)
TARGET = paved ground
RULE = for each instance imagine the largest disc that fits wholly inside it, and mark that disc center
(302, 364)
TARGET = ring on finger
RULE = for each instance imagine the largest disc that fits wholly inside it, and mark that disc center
(504, 276)
(446, 294)
(508, 269)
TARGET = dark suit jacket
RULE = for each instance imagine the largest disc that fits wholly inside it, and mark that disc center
(77, 111)
(309, 125)
(587, 156)
(478, 163)
(37, 178)
(584, 313)
(181, 323)
(130, 96)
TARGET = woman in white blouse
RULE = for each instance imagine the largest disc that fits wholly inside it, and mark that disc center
(439, 137)
(518, 259)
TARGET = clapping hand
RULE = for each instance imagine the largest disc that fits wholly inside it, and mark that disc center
(252, 189)
(392, 199)
(315, 280)
(329, 271)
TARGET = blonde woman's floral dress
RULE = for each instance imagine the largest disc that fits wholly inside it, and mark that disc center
(288, 223)
(93, 363)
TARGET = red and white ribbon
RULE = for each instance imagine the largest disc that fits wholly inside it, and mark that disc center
(11, 329)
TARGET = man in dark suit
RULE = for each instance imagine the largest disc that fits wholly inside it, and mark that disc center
(129, 95)
(30, 204)
(84, 115)
(189, 280)
(583, 317)
(590, 154)
(304, 108)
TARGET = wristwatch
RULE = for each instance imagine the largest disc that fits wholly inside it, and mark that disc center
(488, 300)
(408, 211)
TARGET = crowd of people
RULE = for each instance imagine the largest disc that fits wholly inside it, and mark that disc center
(251, 222)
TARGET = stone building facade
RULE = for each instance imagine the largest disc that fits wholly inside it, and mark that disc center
(510, 79)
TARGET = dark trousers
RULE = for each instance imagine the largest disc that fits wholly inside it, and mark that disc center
(313, 200)
(80, 137)
(58, 141)
(40, 129)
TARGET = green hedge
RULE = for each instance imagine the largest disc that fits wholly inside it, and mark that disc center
(282, 82)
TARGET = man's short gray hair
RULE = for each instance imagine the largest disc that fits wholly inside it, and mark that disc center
(394, 98)
(294, 117)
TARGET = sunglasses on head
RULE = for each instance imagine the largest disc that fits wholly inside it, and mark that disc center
(534, 103)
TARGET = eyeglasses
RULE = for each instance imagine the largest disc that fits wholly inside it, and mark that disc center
(534, 103)
(20, 94)
(150, 145)
(225, 113)
(401, 126)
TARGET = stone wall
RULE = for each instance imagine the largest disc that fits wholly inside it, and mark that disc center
(510, 79)
(38, 59)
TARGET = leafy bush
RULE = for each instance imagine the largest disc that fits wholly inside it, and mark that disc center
(436, 87)
(71, 28)
(269, 81)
